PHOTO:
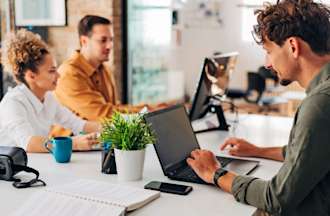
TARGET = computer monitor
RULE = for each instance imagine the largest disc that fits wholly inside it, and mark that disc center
(213, 83)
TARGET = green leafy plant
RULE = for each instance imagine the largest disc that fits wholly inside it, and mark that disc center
(131, 133)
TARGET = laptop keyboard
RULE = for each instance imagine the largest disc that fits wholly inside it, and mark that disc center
(224, 161)
(186, 173)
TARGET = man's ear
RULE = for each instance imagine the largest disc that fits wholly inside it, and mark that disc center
(83, 40)
(294, 46)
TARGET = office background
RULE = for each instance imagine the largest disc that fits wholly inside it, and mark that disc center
(163, 42)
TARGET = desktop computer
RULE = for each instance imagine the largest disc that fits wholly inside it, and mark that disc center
(211, 89)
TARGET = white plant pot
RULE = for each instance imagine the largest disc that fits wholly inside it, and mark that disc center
(129, 164)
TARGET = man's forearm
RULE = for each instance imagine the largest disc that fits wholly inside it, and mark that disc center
(225, 182)
(274, 153)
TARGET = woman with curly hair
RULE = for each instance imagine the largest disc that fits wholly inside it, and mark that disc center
(29, 110)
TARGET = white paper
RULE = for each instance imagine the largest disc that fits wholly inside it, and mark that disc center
(110, 193)
(52, 204)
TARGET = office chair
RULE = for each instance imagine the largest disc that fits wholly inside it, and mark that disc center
(255, 93)
(256, 87)
(268, 74)
(234, 94)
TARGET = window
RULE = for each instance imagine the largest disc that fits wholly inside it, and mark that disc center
(40, 13)
(249, 19)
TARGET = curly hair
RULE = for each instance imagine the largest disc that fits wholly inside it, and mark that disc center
(295, 18)
(23, 51)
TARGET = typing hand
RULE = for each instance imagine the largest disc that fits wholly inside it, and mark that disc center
(204, 163)
(240, 147)
(85, 142)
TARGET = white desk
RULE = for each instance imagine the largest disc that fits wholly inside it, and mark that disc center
(203, 200)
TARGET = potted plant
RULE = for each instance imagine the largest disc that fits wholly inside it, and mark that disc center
(129, 136)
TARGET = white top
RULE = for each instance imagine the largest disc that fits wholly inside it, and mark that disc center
(23, 115)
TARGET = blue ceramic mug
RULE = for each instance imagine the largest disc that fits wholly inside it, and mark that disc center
(62, 148)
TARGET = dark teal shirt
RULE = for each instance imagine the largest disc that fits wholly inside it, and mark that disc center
(302, 185)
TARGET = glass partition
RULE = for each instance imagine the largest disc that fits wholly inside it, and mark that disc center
(149, 72)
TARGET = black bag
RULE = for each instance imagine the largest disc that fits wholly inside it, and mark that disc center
(14, 160)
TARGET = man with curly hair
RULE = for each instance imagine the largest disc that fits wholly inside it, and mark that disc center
(296, 37)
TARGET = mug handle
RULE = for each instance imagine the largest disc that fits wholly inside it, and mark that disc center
(46, 145)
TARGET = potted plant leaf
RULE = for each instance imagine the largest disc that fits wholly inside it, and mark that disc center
(129, 136)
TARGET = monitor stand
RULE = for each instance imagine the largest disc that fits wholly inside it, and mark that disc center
(217, 109)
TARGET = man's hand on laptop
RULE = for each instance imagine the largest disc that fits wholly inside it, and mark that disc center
(240, 147)
(204, 163)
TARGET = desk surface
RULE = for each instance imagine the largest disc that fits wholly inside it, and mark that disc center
(203, 200)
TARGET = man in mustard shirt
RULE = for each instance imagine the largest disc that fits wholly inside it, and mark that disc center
(86, 85)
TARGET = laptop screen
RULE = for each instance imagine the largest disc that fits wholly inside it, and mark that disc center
(175, 138)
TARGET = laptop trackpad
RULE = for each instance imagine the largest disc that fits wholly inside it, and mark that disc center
(242, 167)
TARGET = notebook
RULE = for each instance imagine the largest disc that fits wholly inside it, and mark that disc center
(86, 197)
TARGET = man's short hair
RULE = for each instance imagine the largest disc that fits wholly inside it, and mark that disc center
(295, 18)
(86, 24)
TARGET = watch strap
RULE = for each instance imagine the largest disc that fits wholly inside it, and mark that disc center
(218, 173)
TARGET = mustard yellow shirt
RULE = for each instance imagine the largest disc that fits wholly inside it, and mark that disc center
(87, 91)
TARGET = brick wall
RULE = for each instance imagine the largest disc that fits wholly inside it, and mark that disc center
(64, 40)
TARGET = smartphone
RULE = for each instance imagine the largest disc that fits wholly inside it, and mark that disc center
(168, 187)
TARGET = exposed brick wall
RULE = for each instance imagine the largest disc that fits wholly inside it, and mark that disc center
(64, 40)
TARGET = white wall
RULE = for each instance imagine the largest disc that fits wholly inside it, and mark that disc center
(199, 42)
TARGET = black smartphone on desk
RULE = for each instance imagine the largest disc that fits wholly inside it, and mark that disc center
(168, 187)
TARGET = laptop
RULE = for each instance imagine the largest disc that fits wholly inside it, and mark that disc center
(175, 139)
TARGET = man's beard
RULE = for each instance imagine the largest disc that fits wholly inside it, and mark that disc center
(285, 82)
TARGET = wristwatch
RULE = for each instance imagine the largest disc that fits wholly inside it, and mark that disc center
(218, 173)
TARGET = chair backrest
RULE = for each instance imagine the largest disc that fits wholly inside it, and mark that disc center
(268, 74)
(256, 83)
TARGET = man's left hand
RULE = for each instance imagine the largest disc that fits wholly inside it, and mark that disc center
(204, 163)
